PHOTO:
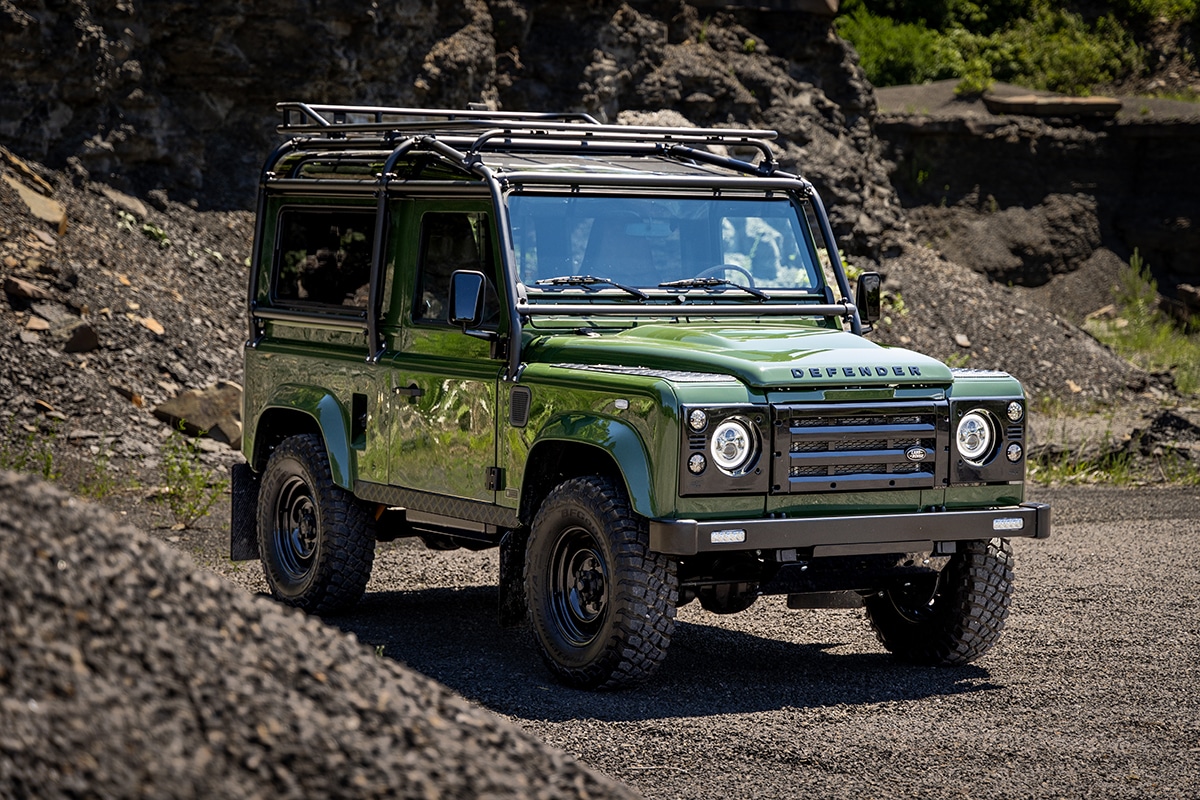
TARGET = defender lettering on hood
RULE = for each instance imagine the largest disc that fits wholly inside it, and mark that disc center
(821, 373)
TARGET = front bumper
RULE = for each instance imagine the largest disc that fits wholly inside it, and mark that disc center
(855, 535)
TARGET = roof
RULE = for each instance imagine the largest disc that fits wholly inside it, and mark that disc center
(365, 144)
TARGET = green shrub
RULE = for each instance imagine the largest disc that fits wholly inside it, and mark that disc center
(1146, 336)
(191, 488)
(1035, 44)
(894, 53)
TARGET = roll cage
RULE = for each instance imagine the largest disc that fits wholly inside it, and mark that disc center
(341, 150)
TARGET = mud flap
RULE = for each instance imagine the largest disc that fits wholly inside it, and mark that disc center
(243, 522)
(513, 608)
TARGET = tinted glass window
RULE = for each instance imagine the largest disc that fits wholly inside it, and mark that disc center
(647, 241)
(325, 257)
(452, 241)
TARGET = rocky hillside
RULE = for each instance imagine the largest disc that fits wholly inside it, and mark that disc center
(180, 98)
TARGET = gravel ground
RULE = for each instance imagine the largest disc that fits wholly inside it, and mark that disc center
(127, 672)
(1092, 691)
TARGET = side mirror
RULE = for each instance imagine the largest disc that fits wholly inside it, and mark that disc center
(868, 296)
(466, 298)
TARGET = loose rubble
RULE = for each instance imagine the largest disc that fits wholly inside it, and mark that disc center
(128, 671)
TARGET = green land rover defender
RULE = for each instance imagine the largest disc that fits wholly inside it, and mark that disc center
(625, 356)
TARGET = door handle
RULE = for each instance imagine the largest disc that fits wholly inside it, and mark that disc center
(412, 390)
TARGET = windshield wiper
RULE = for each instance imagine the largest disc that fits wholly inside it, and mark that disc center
(591, 280)
(712, 283)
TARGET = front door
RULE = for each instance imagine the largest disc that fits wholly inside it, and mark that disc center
(443, 382)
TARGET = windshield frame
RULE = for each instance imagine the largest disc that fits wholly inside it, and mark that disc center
(581, 283)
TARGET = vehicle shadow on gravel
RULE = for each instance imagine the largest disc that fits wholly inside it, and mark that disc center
(451, 635)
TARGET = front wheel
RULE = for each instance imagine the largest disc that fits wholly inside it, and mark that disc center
(602, 605)
(315, 540)
(950, 618)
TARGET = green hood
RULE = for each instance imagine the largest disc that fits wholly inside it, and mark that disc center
(761, 355)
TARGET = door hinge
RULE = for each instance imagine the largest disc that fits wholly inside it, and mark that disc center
(495, 479)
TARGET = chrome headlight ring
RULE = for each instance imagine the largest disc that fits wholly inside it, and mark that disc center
(734, 446)
(976, 437)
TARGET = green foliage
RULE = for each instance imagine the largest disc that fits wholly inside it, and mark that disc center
(157, 234)
(190, 489)
(31, 452)
(1145, 335)
(1143, 11)
(894, 53)
(1035, 44)
(1116, 469)
(100, 478)
(1137, 291)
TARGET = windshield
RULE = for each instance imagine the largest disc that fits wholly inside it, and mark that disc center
(644, 242)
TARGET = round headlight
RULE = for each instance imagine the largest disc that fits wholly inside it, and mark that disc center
(1015, 412)
(733, 445)
(975, 437)
(697, 420)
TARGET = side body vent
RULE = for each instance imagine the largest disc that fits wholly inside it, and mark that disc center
(518, 406)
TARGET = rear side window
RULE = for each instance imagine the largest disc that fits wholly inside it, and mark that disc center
(324, 257)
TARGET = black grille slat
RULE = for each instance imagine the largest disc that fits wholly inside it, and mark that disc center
(856, 446)
(861, 431)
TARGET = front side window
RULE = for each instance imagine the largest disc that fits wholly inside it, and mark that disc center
(645, 241)
(324, 257)
(451, 241)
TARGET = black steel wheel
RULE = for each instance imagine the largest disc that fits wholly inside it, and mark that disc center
(950, 618)
(601, 604)
(316, 541)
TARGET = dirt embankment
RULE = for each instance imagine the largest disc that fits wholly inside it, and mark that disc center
(1050, 202)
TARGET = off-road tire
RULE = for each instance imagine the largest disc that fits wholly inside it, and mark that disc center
(602, 606)
(953, 619)
(316, 541)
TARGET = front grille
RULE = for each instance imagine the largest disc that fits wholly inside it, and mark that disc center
(843, 447)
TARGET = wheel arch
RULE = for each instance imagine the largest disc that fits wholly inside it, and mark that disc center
(599, 446)
(295, 410)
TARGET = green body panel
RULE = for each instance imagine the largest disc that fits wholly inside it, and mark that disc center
(760, 354)
(444, 439)
(328, 412)
(573, 406)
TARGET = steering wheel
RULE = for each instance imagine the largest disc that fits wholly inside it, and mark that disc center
(712, 272)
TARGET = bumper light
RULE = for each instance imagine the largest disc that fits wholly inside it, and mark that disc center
(1008, 524)
(733, 536)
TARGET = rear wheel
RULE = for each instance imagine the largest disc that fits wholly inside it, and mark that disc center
(952, 617)
(315, 539)
(602, 605)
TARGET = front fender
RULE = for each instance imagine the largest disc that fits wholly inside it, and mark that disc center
(330, 416)
(619, 440)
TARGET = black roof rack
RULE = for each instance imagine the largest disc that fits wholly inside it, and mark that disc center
(473, 131)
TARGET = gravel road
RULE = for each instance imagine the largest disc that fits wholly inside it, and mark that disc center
(1092, 691)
